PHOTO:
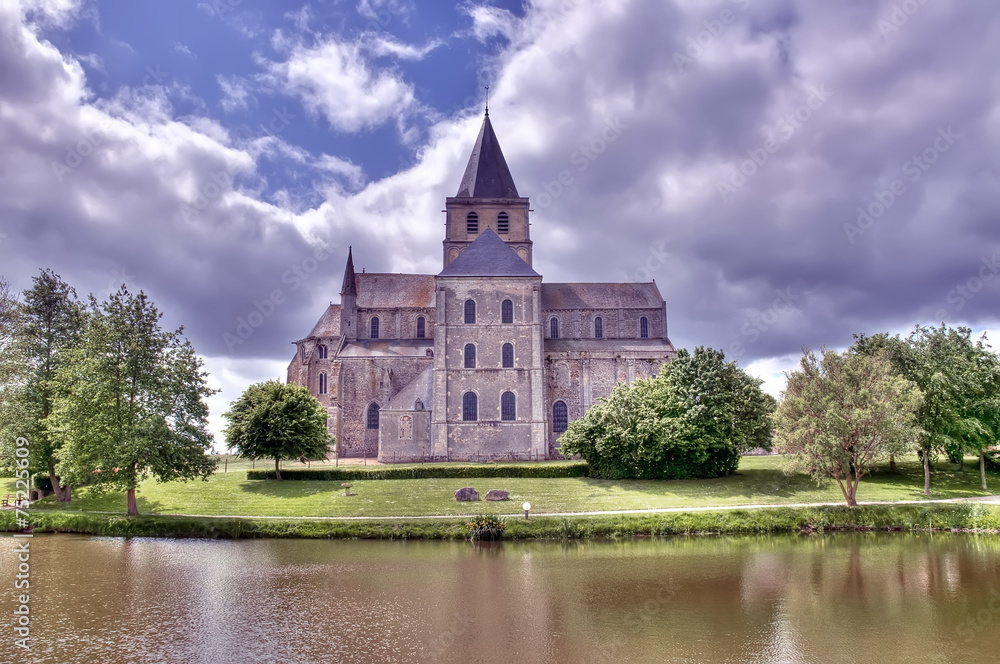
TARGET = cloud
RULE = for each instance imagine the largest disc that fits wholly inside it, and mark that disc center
(236, 94)
(333, 78)
(382, 45)
(489, 21)
(182, 49)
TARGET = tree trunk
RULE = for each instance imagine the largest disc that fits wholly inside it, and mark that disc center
(982, 468)
(277, 468)
(927, 473)
(961, 460)
(133, 509)
(892, 464)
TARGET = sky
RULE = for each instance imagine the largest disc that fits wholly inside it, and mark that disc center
(789, 172)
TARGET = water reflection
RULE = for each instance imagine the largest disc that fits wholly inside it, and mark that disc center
(867, 597)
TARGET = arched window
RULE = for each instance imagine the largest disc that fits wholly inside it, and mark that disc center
(373, 416)
(421, 327)
(554, 328)
(644, 327)
(470, 311)
(503, 223)
(374, 327)
(507, 312)
(470, 356)
(508, 406)
(322, 383)
(472, 223)
(507, 356)
(470, 407)
(322, 351)
(598, 328)
(560, 417)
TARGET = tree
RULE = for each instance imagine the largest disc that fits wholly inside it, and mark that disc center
(50, 323)
(694, 419)
(272, 420)
(840, 416)
(134, 404)
(12, 375)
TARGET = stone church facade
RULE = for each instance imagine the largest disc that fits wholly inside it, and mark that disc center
(482, 360)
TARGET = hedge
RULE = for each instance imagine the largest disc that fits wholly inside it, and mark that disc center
(536, 470)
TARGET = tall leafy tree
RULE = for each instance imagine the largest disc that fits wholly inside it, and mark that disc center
(694, 419)
(50, 324)
(12, 373)
(841, 415)
(272, 420)
(134, 405)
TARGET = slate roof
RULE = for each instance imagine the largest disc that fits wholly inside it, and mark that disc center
(387, 290)
(601, 296)
(640, 346)
(488, 256)
(418, 388)
(487, 175)
(349, 287)
(386, 348)
(328, 324)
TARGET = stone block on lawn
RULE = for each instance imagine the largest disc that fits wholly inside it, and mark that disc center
(466, 494)
(497, 494)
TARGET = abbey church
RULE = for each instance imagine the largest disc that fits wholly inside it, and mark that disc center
(483, 360)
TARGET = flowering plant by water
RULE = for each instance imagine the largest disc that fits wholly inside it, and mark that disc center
(486, 528)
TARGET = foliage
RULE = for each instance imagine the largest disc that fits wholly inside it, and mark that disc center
(692, 420)
(454, 470)
(486, 528)
(134, 404)
(842, 415)
(50, 324)
(960, 380)
(272, 420)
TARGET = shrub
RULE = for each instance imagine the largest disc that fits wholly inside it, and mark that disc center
(486, 528)
(456, 471)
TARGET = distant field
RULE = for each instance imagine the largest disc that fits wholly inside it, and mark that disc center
(760, 480)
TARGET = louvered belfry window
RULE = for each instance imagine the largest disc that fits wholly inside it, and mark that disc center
(472, 223)
(503, 223)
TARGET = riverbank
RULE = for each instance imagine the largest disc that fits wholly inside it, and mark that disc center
(760, 481)
(964, 516)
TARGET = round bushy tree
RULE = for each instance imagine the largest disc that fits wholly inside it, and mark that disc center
(272, 420)
(693, 420)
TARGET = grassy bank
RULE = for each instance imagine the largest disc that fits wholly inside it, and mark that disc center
(777, 520)
(760, 481)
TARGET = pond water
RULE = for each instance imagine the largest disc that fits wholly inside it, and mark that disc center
(816, 598)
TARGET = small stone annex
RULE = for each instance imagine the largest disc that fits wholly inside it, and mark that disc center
(482, 360)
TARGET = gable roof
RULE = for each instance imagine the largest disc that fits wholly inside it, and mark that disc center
(487, 175)
(387, 290)
(488, 256)
(601, 296)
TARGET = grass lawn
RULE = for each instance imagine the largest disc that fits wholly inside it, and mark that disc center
(760, 480)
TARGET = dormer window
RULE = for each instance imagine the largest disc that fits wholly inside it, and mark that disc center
(503, 223)
(472, 223)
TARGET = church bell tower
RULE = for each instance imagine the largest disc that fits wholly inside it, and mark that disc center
(486, 198)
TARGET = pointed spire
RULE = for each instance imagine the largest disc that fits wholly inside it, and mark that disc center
(349, 287)
(487, 175)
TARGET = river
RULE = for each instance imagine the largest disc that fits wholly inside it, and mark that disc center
(810, 598)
